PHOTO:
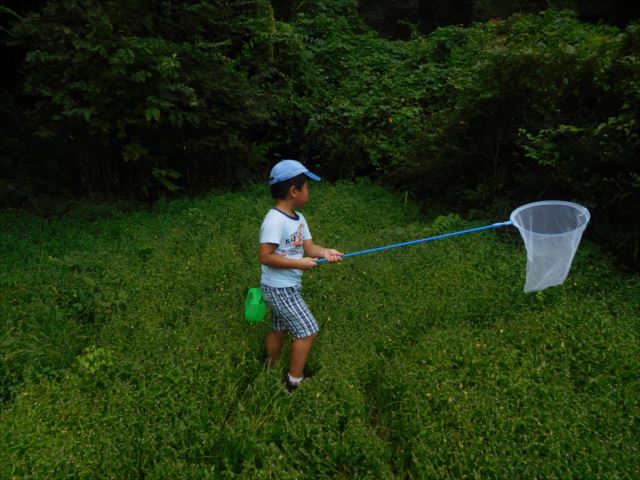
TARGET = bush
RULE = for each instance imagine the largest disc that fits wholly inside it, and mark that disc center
(128, 100)
(121, 99)
(536, 106)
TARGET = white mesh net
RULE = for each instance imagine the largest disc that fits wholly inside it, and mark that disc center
(551, 231)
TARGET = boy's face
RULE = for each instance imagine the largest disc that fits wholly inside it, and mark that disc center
(300, 196)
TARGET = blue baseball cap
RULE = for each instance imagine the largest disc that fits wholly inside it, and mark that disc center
(286, 169)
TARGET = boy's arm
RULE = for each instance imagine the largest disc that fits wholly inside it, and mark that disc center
(317, 251)
(270, 258)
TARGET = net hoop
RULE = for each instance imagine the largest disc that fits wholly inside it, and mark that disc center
(582, 216)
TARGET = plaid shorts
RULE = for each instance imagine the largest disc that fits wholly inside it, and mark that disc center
(289, 310)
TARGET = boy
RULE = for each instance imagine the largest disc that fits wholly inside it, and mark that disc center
(284, 240)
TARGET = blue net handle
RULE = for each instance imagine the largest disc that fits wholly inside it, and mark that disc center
(423, 240)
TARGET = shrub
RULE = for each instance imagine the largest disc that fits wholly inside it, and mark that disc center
(130, 100)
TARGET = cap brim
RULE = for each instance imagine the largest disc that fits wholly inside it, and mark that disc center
(312, 176)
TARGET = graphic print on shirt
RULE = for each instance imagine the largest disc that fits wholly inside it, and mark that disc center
(294, 243)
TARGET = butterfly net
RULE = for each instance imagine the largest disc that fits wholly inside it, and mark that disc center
(551, 231)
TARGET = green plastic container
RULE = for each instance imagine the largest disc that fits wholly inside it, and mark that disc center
(255, 308)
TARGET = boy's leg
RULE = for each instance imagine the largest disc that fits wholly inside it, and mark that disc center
(274, 344)
(299, 353)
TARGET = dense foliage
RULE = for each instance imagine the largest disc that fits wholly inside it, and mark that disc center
(125, 352)
(393, 19)
(124, 99)
(123, 94)
(537, 106)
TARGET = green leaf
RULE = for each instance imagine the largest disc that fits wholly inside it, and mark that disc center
(164, 176)
(152, 113)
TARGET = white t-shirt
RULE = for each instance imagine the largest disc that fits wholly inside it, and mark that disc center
(288, 233)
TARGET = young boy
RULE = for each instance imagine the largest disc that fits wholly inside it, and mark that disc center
(285, 239)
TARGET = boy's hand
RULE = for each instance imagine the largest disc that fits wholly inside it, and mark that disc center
(333, 255)
(307, 263)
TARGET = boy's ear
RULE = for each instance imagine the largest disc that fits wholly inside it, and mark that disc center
(293, 190)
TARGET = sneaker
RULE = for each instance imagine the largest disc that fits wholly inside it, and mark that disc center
(290, 387)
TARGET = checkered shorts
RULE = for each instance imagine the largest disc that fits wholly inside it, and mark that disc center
(289, 311)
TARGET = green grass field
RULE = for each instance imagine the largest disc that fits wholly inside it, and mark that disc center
(124, 352)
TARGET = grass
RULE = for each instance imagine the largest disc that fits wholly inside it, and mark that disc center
(124, 353)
